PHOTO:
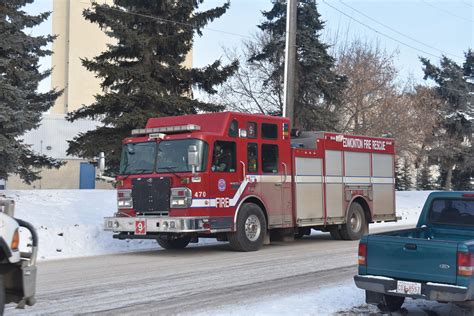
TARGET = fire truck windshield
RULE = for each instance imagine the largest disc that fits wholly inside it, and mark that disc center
(138, 158)
(173, 155)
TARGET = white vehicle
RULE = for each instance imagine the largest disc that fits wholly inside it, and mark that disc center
(17, 269)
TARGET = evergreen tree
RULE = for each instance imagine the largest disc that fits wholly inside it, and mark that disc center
(143, 74)
(423, 179)
(452, 146)
(406, 178)
(318, 87)
(21, 106)
(398, 177)
(462, 179)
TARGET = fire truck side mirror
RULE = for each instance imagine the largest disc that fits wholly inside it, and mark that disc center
(101, 163)
(193, 157)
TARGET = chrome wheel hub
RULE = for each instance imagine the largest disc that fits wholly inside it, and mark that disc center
(356, 222)
(252, 228)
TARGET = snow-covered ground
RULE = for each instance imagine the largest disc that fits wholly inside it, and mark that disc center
(69, 222)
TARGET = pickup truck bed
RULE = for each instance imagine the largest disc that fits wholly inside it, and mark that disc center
(434, 261)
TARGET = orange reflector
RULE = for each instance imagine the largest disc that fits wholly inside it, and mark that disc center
(15, 240)
(362, 254)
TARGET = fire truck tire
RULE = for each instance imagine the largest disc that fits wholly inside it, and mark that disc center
(178, 243)
(251, 228)
(356, 225)
(335, 232)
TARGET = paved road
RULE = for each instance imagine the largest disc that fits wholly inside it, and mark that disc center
(172, 281)
(193, 279)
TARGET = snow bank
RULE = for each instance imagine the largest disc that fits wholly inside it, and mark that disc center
(409, 205)
(69, 222)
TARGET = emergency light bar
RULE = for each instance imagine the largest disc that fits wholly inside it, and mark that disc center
(167, 129)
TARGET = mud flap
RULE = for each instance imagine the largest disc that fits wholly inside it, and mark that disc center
(373, 297)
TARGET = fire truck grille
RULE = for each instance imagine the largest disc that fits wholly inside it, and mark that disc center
(151, 195)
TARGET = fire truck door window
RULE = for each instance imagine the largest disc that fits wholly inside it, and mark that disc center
(270, 158)
(223, 157)
(234, 128)
(252, 157)
(269, 131)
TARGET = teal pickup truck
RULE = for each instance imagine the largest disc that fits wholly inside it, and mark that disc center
(434, 261)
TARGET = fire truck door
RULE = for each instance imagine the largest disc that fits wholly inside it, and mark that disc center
(226, 176)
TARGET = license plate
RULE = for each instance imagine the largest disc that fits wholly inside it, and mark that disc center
(140, 227)
(412, 288)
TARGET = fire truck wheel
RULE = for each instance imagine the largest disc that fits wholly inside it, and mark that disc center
(356, 225)
(251, 229)
(178, 243)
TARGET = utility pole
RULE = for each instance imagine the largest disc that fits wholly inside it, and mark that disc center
(290, 57)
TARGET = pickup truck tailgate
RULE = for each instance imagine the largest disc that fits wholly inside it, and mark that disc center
(412, 258)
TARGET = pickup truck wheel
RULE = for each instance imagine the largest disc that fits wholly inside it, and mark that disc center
(178, 243)
(356, 225)
(2, 295)
(250, 229)
(391, 303)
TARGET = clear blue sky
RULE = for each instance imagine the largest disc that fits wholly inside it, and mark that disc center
(444, 25)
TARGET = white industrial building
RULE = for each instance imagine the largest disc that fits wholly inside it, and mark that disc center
(51, 139)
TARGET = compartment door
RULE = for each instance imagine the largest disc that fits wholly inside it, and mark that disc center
(309, 191)
(383, 184)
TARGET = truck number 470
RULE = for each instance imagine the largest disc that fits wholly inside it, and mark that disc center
(200, 194)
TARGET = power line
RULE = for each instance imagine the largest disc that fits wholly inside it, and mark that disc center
(468, 4)
(177, 23)
(447, 12)
(378, 32)
(398, 32)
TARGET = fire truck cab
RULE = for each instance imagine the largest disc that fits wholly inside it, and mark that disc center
(238, 177)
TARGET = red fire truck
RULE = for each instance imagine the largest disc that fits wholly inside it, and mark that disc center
(240, 177)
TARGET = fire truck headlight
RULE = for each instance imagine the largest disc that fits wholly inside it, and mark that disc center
(181, 198)
(124, 199)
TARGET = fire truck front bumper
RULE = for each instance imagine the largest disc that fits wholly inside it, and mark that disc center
(152, 225)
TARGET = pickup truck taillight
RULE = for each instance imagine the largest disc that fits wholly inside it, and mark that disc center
(362, 254)
(465, 264)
